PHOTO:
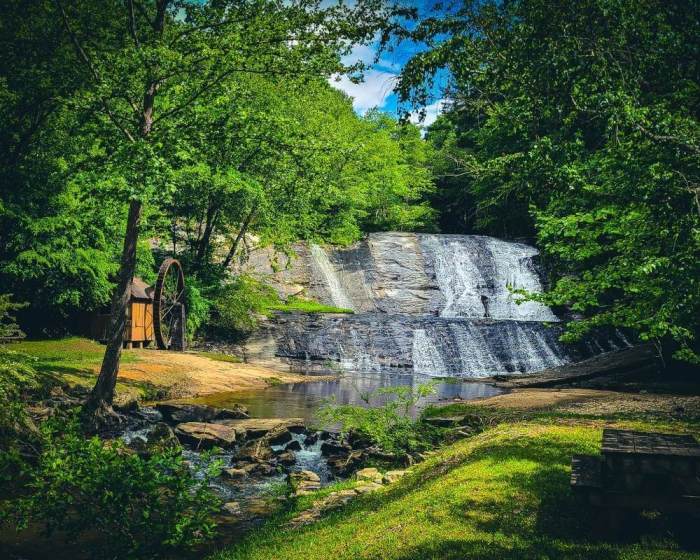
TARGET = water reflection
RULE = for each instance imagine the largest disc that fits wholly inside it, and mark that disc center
(301, 400)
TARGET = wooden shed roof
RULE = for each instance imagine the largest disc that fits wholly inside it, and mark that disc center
(141, 290)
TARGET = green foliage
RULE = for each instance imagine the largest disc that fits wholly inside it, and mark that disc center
(197, 307)
(246, 141)
(236, 309)
(240, 304)
(18, 380)
(8, 326)
(388, 422)
(132, 506)
(296, 304)
(578, 125)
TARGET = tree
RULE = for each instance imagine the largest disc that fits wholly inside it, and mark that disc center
(578, 123)
(152, 63)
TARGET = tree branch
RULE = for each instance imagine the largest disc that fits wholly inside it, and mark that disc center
(86, 59)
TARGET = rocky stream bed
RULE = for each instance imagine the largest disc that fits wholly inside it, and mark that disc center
(265, 460)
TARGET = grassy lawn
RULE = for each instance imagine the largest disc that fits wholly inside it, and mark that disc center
(503, 494)
(74, 361)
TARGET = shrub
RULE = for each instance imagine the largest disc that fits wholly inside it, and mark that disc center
(238, 303)
(129, 506)
(390, 425)
(17, 433)
(197, 307)
(8, 327)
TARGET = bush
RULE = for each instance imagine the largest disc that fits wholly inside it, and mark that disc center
(390, 425)
(8, 327)
(17, 433)
(129, 506)
(238, 303)
(197, 307)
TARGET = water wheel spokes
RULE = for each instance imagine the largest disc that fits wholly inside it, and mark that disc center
(168, 301)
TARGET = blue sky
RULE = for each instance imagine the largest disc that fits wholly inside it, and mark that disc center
(376, 89)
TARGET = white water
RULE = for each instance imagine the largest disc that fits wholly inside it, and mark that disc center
(476, 276)
(323, 266)
(426, 357)
(432, 304)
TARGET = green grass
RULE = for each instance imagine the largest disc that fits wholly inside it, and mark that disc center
(503, 494)
(67, 355)
(305, 306)
(74, 361)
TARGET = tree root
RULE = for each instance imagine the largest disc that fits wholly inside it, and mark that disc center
(100, 418)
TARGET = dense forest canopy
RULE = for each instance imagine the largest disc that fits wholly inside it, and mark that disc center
(575, 124)
(279, 154)
(572, 126)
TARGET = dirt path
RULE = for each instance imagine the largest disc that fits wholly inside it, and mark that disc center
(190, 375)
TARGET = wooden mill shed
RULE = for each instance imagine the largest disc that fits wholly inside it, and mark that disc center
(139, 318)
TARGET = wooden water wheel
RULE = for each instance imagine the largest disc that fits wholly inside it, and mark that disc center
(169, 306)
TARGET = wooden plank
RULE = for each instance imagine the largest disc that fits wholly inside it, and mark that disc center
(586, 471)
(148, 322)
(645, 443)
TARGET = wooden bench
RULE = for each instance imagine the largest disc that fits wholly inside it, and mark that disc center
(640, 471)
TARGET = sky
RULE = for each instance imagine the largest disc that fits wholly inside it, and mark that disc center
(376, 89)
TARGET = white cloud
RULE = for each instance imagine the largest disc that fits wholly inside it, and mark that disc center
(370, 93)
(359, 53)
(431, 113)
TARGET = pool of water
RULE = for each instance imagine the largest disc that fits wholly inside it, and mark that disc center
(302, 400)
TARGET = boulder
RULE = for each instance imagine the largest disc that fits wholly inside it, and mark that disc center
(303, 482)
(333, 449)
(293, 446)
(369, 475)
(200, 434)
(264, 469)
(162, 435)
(311, 439)
(256, 451)
(179, 413)
(286, 458)
(235, 474)
(393, 476)
(346, 465)
(279, 436)
(258, 427)
(367, 487)
(232, 508)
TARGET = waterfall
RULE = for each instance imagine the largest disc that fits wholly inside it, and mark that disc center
(476, 276)
(323, 265)
(426, 357)
(430, 304)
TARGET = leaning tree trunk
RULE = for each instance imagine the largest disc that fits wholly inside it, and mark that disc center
(99, 404)
(241, 233)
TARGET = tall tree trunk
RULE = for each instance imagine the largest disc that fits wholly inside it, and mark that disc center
(241, 233)
(212, 215)
(103, 392)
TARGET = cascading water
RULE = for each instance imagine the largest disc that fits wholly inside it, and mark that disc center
(430, 304)
(426, 357)
(477, 276)
(324, 267)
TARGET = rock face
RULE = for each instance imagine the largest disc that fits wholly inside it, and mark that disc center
(430, 304)
(178, 413)
(200, 434)
(254, 428)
